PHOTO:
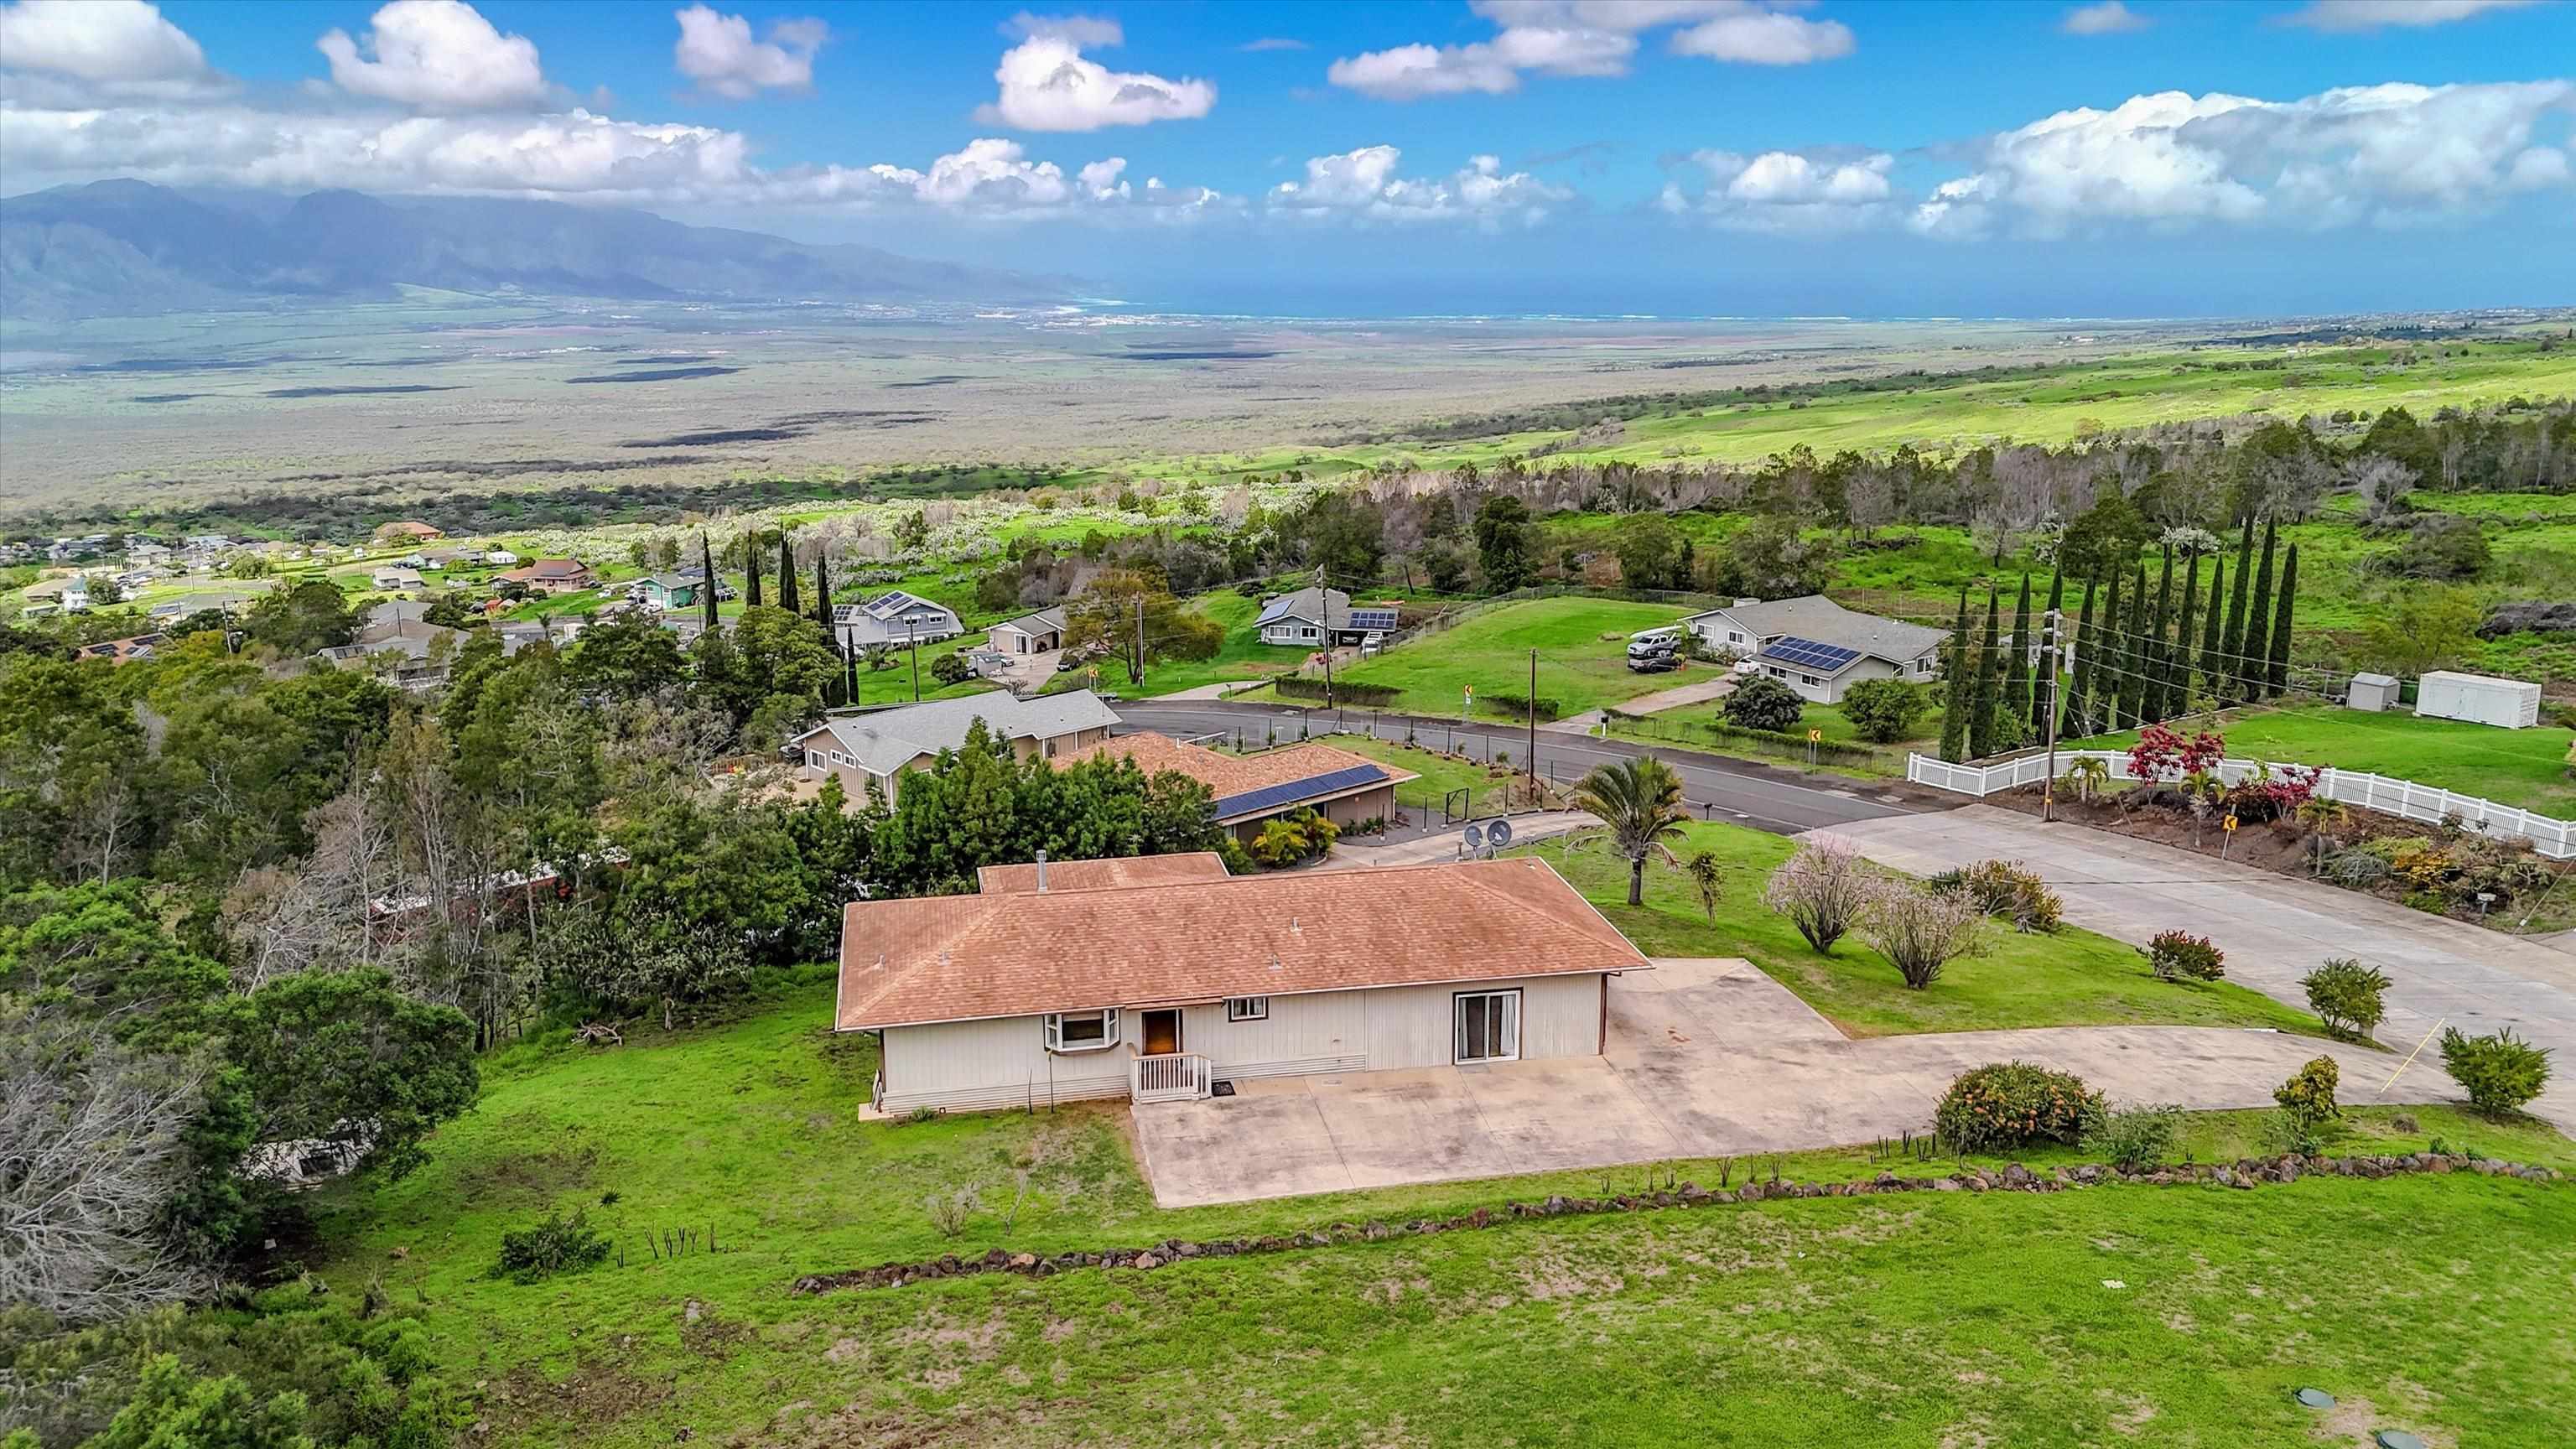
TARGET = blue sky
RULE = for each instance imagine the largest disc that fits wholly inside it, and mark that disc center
(1729, 156)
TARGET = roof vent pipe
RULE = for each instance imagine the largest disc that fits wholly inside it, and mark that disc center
(1041, 872)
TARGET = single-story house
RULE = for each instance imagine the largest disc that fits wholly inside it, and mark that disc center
(551, 576)
(443, 558)
(391, 577)
(671, 591)
(1251, 789)
(878, 745)
(398, 640)
(894, 618)
(180, 608)
(1124, 981)
(120, 651)
(1817, 647)
(1308, 617)
(407, 531)
(1036, 633)
(499, 556)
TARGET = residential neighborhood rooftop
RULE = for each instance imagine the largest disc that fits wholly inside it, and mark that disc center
(884, 740)
(1083, 875)
(1820, 620)
(953, 958)
(1248, 784)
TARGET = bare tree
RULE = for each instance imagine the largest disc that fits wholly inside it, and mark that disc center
(1821, 890)
(2379, 482)
(1921, 930)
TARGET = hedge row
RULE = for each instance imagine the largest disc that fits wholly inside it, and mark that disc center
(1519, 704)
(1776, 741)
(1293, 687)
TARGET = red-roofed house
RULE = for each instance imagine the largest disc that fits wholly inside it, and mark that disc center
(1158, 979)
(1342, 787)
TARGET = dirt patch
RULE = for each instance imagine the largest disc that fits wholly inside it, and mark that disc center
(529, 1175)
(2352, 1421)
(596, 1393)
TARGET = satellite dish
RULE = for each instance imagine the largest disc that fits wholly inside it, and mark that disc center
(1498, 834)
(1475, 837)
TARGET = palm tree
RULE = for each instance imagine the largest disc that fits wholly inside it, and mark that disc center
(2319, 813)
(2088, 774)
(1708, 877)
(1640, 799)
(2203, 789)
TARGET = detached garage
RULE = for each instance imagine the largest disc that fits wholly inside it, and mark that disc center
(2479, 698)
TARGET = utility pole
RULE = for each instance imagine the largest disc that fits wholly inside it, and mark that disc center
(1324, 592)
(1139, 674)
(912, 642)
(2049, 651)
(1533, 724)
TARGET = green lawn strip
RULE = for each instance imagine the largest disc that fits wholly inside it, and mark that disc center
(1440, 773)
(2525, 768)
(1577, 666)
(2070, 978)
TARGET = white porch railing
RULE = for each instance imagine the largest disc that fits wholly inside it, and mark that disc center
(2407, 799)
(1169, 1077)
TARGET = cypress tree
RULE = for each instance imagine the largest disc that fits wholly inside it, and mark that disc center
(2251, 661)
(2014, 704)
(2044, 694)
(2137, 700)
(2279, 678)
(822, 593)
(787, 575)
(2211, 669)
(751, 565)
(2079, 701)
(2104, 691)
(2178, 669)
(2230, 642)
(1981, 702)
(1957, 699)
(707, 589)
(849, 673)
(2158, 660)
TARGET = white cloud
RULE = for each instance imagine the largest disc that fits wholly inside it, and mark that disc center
(1588, 38)
(1271, 42)
(2386, 154)
(717, 52)
(106, 41)
(2378, 14)
(1082, 32)
(436, 55)
(1047, 85)
(1364, 184)
(2108, 18)
(1784, 191)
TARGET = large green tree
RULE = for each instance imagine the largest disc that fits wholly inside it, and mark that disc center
(1130, 616)
(1506, 544)
(2278, 677)
(1981, 715)
(2012, 703)
(1958, 688)
(1649, 551)
(312, 616)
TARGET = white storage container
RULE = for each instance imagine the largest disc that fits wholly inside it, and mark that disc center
(2482, 699)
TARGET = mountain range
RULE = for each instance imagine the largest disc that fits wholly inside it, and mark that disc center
(129, 247)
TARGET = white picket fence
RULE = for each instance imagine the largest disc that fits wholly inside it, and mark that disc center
(2548, 835)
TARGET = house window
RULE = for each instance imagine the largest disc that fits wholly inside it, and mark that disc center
(1808, 679)
(1732, 637)
(1081, 1031)
(814, 759)
(1488, 1026)
(1247, 1008)
(1050, 749)
(1309, 633)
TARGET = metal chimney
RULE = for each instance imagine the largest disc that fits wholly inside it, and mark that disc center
(1041, 872)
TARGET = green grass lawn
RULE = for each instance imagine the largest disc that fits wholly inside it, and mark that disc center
(1577, 667)
(2526, 768)
(1440, 773)
(2070, 978)
(1898, 1321)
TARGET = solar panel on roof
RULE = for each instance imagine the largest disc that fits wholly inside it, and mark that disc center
(1372, 619)
(1271, 797)
(1808, 654)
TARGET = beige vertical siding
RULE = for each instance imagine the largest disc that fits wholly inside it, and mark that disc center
(1411, 1026)
(999, 1063)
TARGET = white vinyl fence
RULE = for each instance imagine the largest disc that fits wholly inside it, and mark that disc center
(2550, 836)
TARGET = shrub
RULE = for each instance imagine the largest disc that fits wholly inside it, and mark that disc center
(2442, 546)
(2356, 869)
(2135, 1137)
(558, 1244)
(2182, 956)
(1920, 929)
(2003, 888)
(2345, 996)
(1519, 704)
(1763, 703)
(2009, 1103)
(951, 669)
(949, 1212)
(1821, 890)
(1299, 835)
(1344, 691)
(2307, 1104)
(2500, 1072)
(1883, 711)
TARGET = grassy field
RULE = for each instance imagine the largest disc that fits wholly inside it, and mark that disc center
(2527, 768)
(2071, 978)
(1577, 666)
(1906, 1321)
(1440, 773)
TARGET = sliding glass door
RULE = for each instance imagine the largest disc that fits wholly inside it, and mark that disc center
(1488, 1027)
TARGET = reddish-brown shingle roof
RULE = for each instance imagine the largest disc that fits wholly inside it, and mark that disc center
(959, 958)
(1085, 875)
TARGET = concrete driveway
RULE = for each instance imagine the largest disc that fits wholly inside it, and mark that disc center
(2273, 928)
(1707, 1058)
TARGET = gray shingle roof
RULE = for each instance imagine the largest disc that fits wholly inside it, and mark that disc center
(1816, 617)
(1310, 604)
(884, 740)
(1044, 621)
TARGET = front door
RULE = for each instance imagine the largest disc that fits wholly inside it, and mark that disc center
(1162, 1033)
(1488, 1028)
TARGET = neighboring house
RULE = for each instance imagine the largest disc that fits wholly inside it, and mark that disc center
(120, 651)
(398, 639)
(518, 634)
(75, 595)
(141, 554)
(1250, 789)
(171, 610)
(1158, 979)
(394, 579)
(407, 531)
(879, 745)
(671, 591)
(551, 576)
(1038, 633)
(1817, 647)
(443, 558)
(894, 618)
(1308, 617)
(499, 556)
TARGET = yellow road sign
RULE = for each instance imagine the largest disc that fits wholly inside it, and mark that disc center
(1814, 735)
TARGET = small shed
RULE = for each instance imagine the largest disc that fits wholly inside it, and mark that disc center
(2512, 704)
(2373, 692)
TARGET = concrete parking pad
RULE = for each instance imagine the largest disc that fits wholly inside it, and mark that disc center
(1706, 1058)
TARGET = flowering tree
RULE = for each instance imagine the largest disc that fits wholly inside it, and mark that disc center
(2162, 754)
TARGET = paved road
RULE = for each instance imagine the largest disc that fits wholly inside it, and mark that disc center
(2273, 928)
(1781, 801)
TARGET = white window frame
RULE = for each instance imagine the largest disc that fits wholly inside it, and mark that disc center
(1309, 631)
(813, 759)
(1247, 1008)
(1511, 1005)
(1052, 1026)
